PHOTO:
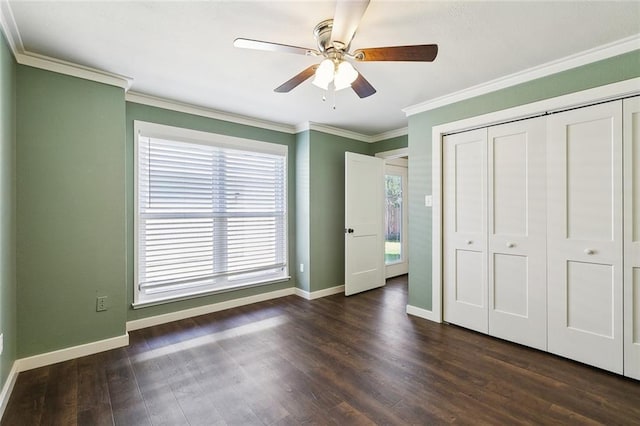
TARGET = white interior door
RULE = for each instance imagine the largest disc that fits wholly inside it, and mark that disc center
(584, 163)
(631, 109)
(517, 232)
(364, 236)
(465, 232)
(396, 257)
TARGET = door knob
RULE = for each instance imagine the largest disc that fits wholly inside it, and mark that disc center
(511, 245)
(589, 251)
(348, 230)
(469, 242)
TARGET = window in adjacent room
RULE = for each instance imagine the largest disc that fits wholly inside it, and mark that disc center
(211, 213)
(393, 219)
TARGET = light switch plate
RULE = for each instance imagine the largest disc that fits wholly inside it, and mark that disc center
(1, 343)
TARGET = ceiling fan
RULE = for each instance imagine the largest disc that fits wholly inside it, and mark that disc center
(333, 38)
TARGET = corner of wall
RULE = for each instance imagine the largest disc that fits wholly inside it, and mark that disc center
(8, 323)
(302, 263)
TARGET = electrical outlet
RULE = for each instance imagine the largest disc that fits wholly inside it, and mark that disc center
(1, 343)
(101, 303)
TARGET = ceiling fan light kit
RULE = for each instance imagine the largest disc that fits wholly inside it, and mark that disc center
(341, 73)
(345, 75)
(333, 38)
(324, 74)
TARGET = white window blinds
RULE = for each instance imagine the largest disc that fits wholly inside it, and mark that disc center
(210, 216)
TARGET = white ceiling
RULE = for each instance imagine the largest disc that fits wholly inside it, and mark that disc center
(184, 51)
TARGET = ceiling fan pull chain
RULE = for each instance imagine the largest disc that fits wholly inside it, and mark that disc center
(334, 99)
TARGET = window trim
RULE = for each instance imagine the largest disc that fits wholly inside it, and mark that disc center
(155, 130)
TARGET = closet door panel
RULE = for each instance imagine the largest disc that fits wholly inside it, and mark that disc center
(584, 240)
(510, 287)
(517, 232)
(631, 109)
(464, 222)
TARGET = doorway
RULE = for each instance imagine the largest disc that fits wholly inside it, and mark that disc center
(396, 253)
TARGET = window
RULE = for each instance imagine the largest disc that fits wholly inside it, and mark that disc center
(393, 219)
(211, 213)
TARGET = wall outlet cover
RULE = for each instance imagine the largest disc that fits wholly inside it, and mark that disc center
(101, 303)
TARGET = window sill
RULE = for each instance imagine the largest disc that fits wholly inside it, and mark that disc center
(195, 295)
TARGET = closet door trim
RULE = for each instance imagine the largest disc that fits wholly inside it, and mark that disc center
(608, 92)
(631, 146)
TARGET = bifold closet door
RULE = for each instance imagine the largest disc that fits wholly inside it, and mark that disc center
(465, 231)
(584, 235)
(631, 109)
(517, 278)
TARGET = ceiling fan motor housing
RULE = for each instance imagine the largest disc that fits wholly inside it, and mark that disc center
(329, 48)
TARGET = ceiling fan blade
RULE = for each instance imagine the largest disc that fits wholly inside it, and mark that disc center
(246, 43)
(291, 84)
(346, 20)
(419, 52)
(362, 87)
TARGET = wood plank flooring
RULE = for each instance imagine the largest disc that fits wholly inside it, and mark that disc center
(359, 360)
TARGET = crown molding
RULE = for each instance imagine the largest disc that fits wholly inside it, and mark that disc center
(599, 53)
(10, 28)
(324, 128)
(154, 101)
(24, 57)
(390, 134)
(74, 70)
(350, 134)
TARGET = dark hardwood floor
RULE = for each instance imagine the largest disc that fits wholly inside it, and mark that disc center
(336, 360)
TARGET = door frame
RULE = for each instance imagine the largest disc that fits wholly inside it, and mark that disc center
(604, 93)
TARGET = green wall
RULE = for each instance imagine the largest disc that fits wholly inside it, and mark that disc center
(141, 112)
(7, 210)
(389, 144)
(608, 71)
(326, 207)
(303, 202)
(70, 210)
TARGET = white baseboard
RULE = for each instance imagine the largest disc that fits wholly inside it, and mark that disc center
(319, 293)
(7, 388)
(207, 309)
(422, 313)
(41, 360)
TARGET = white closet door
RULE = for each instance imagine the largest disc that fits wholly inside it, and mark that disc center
(631, 109)
(465, 233)
(584, 164)
(517, 232)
